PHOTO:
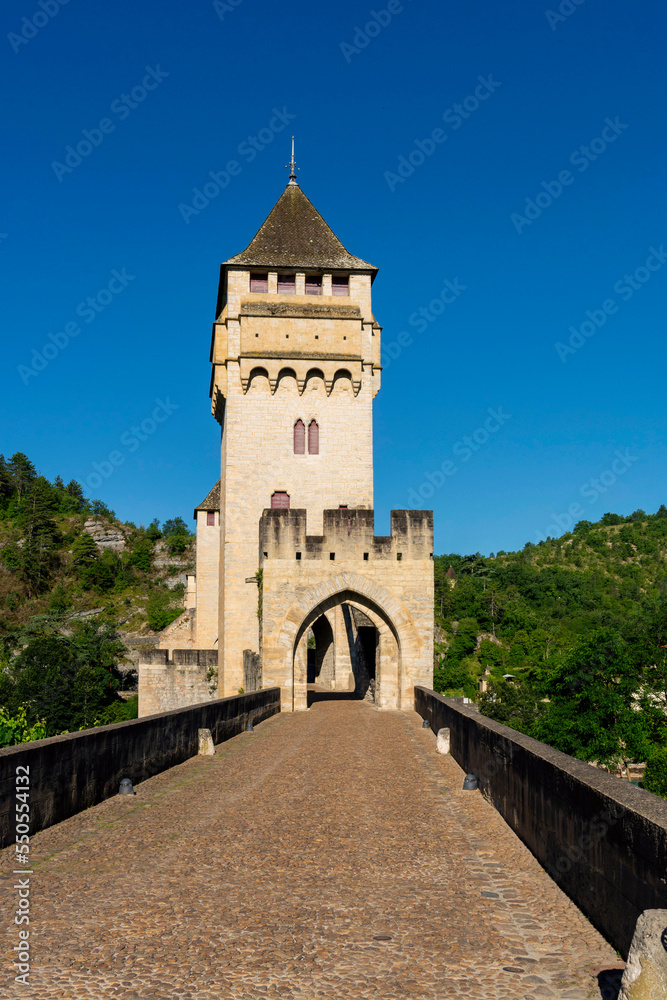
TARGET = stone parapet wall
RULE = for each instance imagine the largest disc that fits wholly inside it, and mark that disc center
(601, 839)
(73, 772)
(347, 533)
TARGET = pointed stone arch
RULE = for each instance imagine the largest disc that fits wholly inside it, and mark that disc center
(286, 655)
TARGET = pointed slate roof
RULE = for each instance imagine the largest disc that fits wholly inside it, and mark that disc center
(295, 235)
(211, 501)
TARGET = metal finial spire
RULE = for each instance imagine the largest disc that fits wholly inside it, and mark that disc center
(292, 167)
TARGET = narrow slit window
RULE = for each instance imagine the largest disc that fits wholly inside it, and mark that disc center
(210, 517)
(286, 284)
(313, 438)
(299, 438)
(340, 284)
(280, 501)
(259, 282)
(313, 284)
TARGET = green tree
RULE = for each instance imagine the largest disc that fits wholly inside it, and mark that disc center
(39, 555)
(177, 536)
(590, 713)
(75, 492)
(153, 530)
(6, 488)
(22, 472)
(491, 656)
(465, 639)
(655, 775)
(451, 677)
(513, 703)
(65, 680)
(141, 555)
(100, 509)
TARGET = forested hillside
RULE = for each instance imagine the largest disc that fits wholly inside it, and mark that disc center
(75, 585)
(580, 624)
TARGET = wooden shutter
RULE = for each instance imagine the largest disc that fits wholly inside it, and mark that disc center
(280, 501)
(313, 284)
(313, 438)
(210, 517)
(259, 282)
(340, 285)
(286, 284)
(299, 438)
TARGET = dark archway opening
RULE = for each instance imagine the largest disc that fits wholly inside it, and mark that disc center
(341, 667)
(321, 653)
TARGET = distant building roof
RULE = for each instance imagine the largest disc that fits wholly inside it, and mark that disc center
(295, 235)
(450, 574)
(211, 501)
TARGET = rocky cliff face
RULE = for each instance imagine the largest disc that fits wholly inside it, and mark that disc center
(105, 535)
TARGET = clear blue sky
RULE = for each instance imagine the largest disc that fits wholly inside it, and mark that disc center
(582, 426)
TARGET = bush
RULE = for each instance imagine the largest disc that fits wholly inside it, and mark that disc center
(16, 729)
(142, 554)
(160, 611)
(655, 775)
(119, 711)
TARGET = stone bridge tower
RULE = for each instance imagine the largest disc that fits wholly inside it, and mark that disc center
(296, 364)
(305, 591)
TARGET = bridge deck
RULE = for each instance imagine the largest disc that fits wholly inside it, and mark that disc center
(276, 868)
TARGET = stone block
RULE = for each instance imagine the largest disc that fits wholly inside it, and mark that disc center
(206, 748)
(645, 976)
(443, 741)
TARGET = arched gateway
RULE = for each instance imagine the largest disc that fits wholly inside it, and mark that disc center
(296, 365)
(297, 593)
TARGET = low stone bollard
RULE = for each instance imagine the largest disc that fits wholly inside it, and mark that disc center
(206, 747)
(645, 976)
(442, 742)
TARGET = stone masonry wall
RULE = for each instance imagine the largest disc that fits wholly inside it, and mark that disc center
(166, 684)
(208, 570)
(602, 840)
(301, 581)
(260, 410)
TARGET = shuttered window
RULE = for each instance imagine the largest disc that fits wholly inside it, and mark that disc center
(210, 517)
(313, 284)
(259, 282)
(280, 501)
(299, 438)
(286, 284)
(313, 438)
(340, 285)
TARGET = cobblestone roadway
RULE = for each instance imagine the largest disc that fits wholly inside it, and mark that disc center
(275, 868)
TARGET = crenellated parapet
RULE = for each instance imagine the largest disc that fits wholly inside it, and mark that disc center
(348, 534)
(166, 682)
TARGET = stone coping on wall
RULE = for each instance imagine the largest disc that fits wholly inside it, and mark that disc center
(72, 772)
(602, 839)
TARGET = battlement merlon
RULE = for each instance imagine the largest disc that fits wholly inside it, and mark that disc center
(181, 657)
(348, 534)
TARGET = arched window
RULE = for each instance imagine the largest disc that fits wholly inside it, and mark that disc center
(299, 438)
(280, 501)
(313, 438)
